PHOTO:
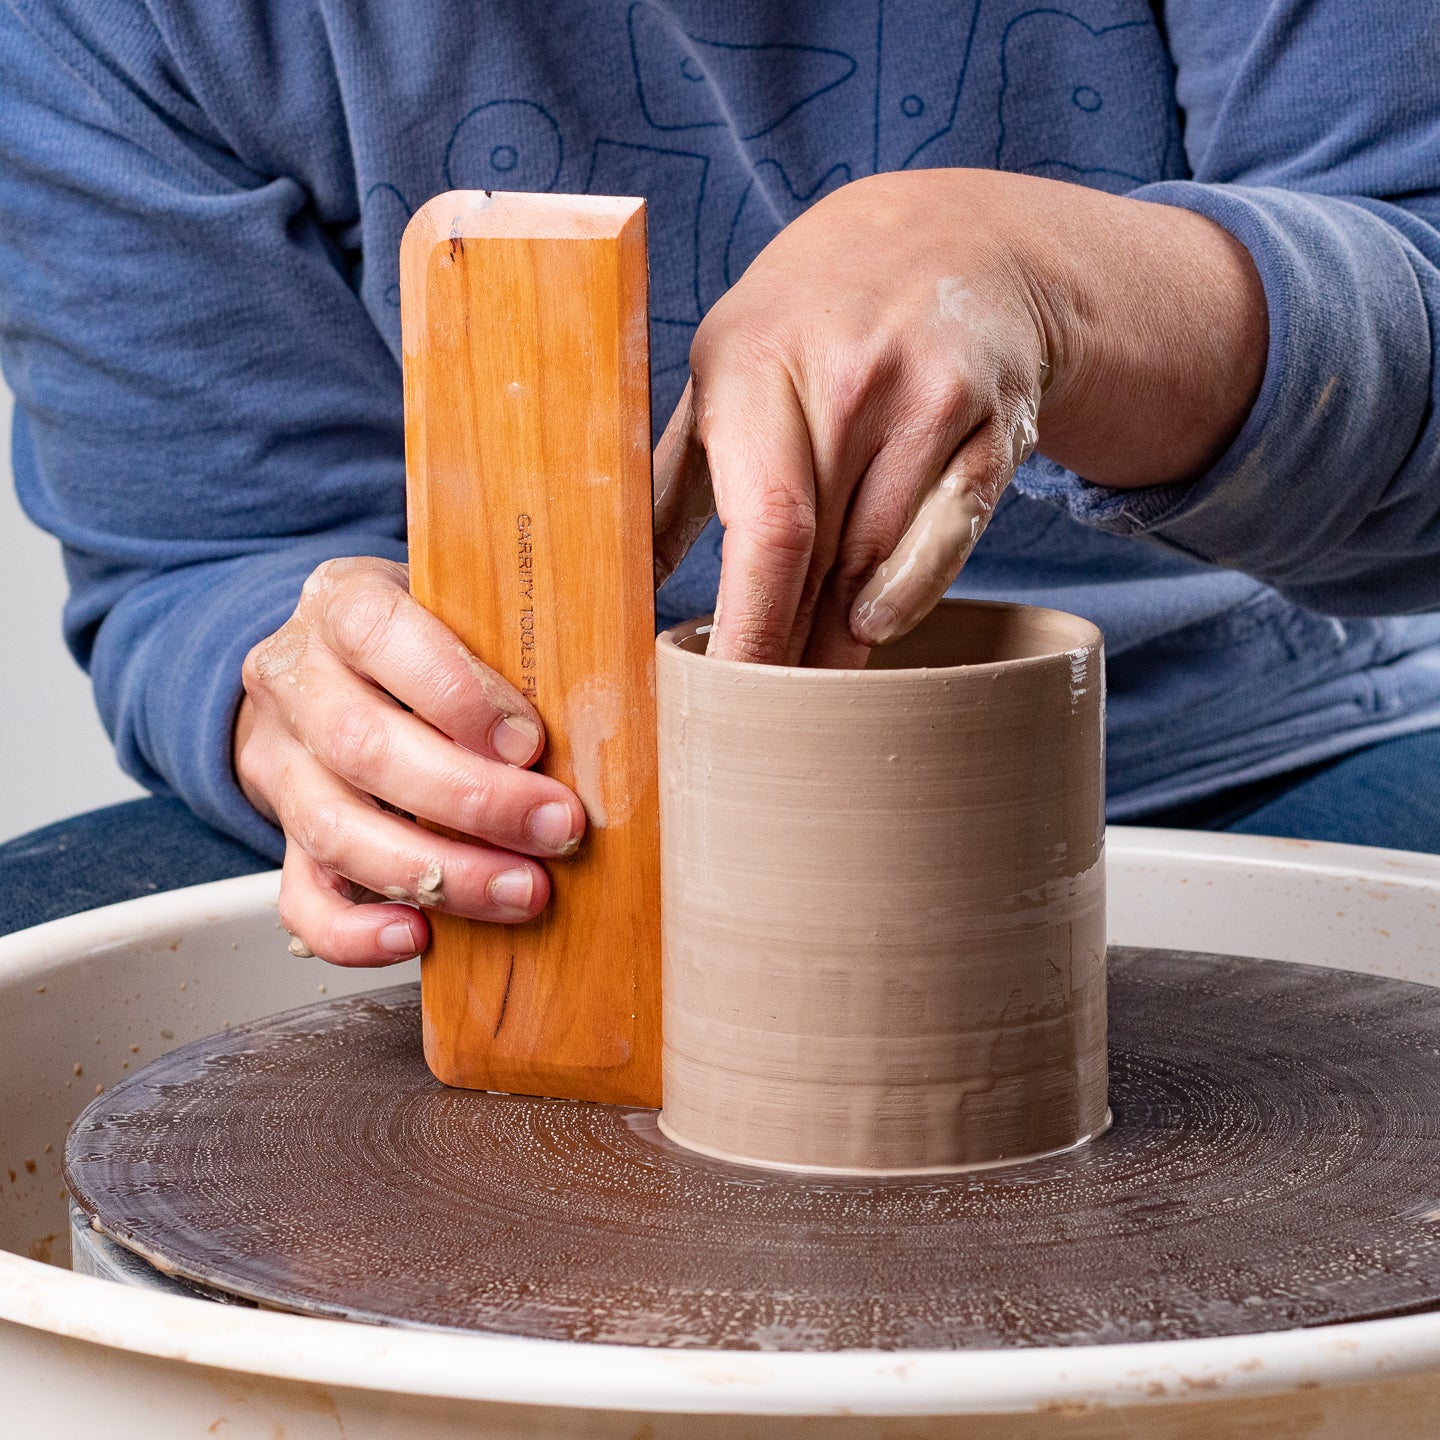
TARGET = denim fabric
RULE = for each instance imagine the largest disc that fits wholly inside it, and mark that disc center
(1388, 794)
(105, 856)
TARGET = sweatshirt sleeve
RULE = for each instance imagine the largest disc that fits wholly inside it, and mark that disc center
(1312, 129)
(205, 410)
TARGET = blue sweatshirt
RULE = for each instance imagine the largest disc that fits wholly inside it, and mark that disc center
(200, 209)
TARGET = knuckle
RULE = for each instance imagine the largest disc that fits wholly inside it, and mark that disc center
(361, 613)
(326, 833)
(734, 337)
(330, 575)
(857, 367)
(250, 669)
(320, 585)
(784, 521)
(274, 657)
(940, 401)
(755, 638)
(360, 742)
(323, 574)
(706, 349)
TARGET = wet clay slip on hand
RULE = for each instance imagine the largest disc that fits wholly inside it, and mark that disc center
(884, 897)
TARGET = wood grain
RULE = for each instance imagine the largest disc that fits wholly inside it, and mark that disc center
(527, 421)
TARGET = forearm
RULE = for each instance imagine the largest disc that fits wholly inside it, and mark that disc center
(1331, 489)
(1156, 326)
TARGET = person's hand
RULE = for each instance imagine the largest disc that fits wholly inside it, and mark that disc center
(363, 705)
(862, 396)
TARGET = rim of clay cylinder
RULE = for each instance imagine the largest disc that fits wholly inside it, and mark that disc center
(1083, 635)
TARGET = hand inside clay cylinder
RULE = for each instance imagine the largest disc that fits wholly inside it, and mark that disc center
(862, 396)
(858, 402)
(362, 712)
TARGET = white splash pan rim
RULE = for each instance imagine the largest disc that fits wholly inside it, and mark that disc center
(514, 1370)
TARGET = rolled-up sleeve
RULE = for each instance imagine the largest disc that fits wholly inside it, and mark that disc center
(1325, 164)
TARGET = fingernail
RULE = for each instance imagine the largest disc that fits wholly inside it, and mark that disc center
(398, 939)
(874, 624)
(516, 739)
(512, 890)
(552, 827)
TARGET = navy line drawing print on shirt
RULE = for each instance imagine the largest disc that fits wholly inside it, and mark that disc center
(761, 84)
(731, 136)
(505, 145)
(687, 83)
(1081, 91)
(1105, 148)
(922, 51)
(388, 212)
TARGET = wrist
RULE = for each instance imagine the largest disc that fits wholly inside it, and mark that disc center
(1156, 330)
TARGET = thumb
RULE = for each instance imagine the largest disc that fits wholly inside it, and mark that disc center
(684, 497)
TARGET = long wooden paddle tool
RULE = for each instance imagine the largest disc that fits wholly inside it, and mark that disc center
(527, 439)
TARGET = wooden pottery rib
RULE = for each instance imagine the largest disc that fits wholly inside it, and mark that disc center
(527, 422)
(1274, 1162)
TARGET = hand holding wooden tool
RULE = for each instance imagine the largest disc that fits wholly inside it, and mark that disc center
(527, 418)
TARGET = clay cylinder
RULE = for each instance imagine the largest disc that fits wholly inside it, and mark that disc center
(883, 897)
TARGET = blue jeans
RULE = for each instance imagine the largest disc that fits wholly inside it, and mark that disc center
(1388, 794)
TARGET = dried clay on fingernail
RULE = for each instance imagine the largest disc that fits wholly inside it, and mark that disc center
(515, 739)
(299, 949)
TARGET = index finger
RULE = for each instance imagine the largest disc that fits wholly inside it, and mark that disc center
(378, 628)
(758, 445)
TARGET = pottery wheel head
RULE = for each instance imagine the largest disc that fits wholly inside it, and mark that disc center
(1274, 1162)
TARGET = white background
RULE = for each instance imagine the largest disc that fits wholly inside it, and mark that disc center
(55, 758)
